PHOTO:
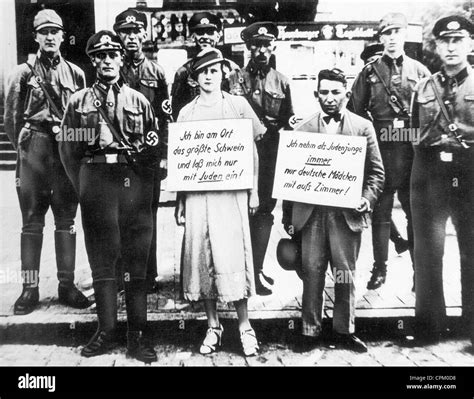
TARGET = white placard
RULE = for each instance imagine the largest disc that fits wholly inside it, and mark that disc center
(210, 155)
(322, 169)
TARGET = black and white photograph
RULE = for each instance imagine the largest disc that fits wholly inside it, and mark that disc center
(237, 183)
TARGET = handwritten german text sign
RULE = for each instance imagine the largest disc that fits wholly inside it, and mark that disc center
(210, 155)
(322, 169)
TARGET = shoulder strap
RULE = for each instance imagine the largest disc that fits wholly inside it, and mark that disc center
(393, 96)
(120, 139)
(452, 127)
(47, 94)
(440, 100)
(256, 108)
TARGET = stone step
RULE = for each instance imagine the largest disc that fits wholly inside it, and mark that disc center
(8, 155)
(4, 146)
(3, 137)
(7, 165)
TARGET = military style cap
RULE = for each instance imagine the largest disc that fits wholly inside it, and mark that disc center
(260, 31)
(208, 56)
(103, 40)
(453, 26)
(130, 19)
(371, 50)
(47, 19)
(204, 20)
(391, 21)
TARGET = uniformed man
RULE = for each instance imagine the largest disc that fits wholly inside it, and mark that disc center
(371, 53)
(382, 92)
(442, 177)
(36, 96)
(206, 30)
(268, 92)
(147, 77)
(113, 175)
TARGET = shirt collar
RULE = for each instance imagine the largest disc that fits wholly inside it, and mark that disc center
(135, 61)
(258, 69)
(103, 86)
(389, 60)
(459, 78)
(48, 62)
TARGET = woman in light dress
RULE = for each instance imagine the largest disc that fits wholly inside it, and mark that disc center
(217, 257)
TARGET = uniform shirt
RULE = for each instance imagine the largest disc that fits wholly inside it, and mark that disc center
(427, 114)
(148, 78)
(185, 89)
(269, 93)
(134, 118)
(370, 99)
(25, 100)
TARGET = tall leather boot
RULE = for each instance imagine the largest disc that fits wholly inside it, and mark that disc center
(260, 230)
(102, 341)
(151, 266)
(138, 346)
(68, 294)
(31, 244)
(380, 238)
(412, 257)
(401, 245)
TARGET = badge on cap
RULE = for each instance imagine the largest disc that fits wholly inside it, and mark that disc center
(263, 31)
(105, 39)
(130, 19)
(152, 139)
(453, 25)
(204, 21)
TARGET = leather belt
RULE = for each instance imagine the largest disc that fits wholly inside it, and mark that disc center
(46, 127)
(105, 158)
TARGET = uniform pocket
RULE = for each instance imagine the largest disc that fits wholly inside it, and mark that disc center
(149, 88)
(132, 123)
(469, 103)
(35, 92)
(67, 90)
(428, 109)
(272, 102)
(89, 116)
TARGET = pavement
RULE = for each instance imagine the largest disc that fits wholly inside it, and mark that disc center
(54, 338)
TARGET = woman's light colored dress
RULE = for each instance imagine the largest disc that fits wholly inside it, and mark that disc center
(217, 258)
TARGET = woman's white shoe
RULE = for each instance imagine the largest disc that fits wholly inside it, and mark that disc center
(249, 342)
(212, 341)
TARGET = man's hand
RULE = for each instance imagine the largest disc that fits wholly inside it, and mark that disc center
(253, 202)
(179, 213)
(364, 205)
(163, 168)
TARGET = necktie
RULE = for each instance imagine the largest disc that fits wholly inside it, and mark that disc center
(106, 137)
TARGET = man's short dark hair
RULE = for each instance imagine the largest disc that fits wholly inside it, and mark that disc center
(332, 74)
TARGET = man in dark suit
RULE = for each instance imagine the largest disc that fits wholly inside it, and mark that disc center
(330, 234)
